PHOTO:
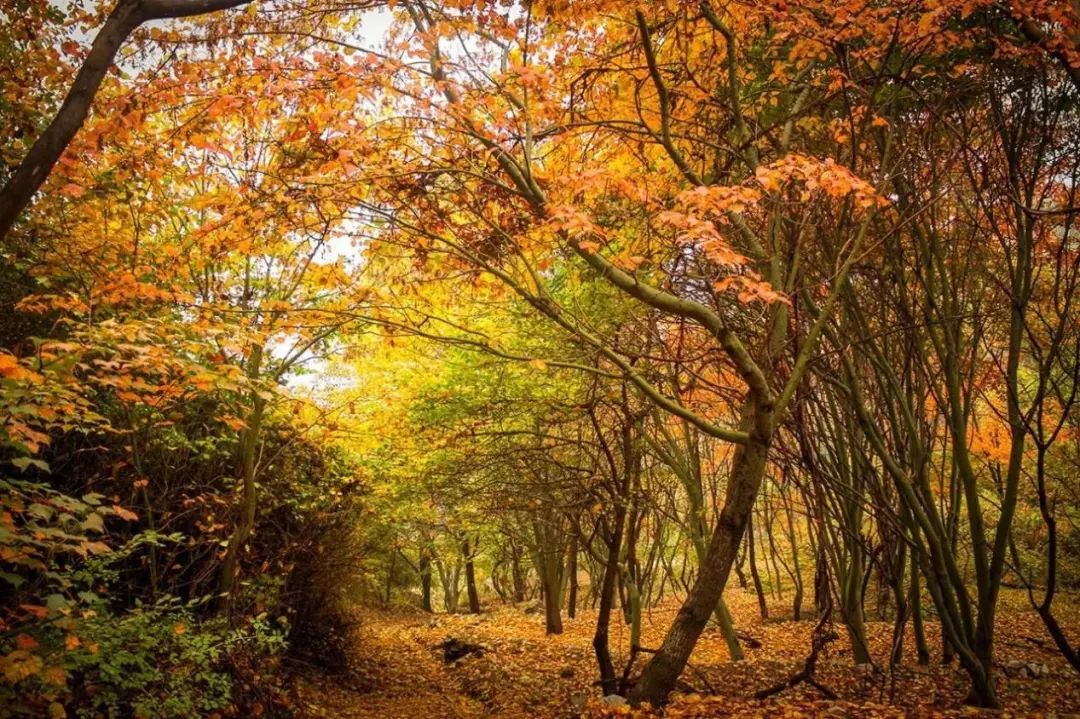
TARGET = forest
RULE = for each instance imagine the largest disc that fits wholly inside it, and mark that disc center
(539, 358)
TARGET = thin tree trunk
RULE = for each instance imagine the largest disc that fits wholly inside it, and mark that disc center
(852, 606)
(389, 578)
(777, 585)
(763, 607)
(572, 571)
(517, 575)
(903, 612)
(607, 600)
(470, 577)
(1045, 607)
(793, 538)
(727, 630)
(425, 581)
(748, 467)
(722, 614)
(245, 523)
(922, 650)
(740, 572)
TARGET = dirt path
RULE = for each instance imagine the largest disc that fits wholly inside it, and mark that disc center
(395, 675)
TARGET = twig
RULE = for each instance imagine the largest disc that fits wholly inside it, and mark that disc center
(821, 637)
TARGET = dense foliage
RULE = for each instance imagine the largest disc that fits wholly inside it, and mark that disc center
(306, 306)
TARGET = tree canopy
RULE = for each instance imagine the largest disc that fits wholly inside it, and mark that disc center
(323, 310)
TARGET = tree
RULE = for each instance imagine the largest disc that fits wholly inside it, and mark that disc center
(125, 17)
(745, 195)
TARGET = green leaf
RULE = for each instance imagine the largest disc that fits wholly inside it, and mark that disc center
(24, 462)
(94, 522)
(41, 511)
(57, 602)
(13, 579)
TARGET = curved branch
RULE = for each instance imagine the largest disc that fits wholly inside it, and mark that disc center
(47, 149)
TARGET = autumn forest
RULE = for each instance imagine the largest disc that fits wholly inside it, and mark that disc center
(539, 358)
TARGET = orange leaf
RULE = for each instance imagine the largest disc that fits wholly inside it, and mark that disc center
(124, 514)
(36, 610)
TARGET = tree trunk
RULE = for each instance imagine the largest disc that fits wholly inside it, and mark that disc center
(740, 573)
(245, 522)
(722, 614)
(633, 592)
(915, 600)
(571, 569)
(607, 600)
(497, 582)
(948, 654)
(983, 692)
(425, 581)
(517, 575)
(852, 606)
(777, 584)
(727, 630)
(623, 531)
(449, 580)
(899, 625)
(390, 578)
(552, 606)
(793, 537)
(1045, 607)
(755, 575)
(470, 577)
(748, 467)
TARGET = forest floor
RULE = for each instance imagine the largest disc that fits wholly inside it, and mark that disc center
(397, 671)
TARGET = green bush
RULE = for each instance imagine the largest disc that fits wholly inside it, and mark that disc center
(68, 648)
(153, 662)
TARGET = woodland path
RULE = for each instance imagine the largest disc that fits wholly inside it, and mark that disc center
(397, 670)
(395, 674)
